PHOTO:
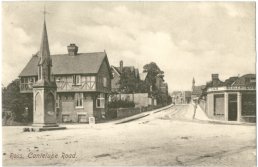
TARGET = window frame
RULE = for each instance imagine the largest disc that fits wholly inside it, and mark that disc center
(78, 100)
(101, 99)
(75, 81)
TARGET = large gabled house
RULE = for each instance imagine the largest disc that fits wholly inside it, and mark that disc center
(117, 72)
(83, 82)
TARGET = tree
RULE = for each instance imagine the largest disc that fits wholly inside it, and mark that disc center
(153, 71)
(128, 82)
(16, 102)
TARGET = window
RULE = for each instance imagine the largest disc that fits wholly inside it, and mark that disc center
(31, 81)
(219, 104)
(78, 100)
(76, 80)
(104, 81)
(27, 82)
(248, 105)
(100, 101)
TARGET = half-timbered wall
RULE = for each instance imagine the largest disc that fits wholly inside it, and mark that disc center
(66, 83)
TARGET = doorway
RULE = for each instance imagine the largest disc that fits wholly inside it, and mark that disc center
(232, 107)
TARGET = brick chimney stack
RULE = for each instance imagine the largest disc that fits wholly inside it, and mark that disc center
(214, 77)
(121, 65)
(72, 49)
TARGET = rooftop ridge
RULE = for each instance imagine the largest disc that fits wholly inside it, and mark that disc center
(78, 54)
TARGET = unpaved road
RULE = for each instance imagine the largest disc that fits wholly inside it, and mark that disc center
(166, 138)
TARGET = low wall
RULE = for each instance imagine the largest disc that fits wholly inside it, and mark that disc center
(126, 112)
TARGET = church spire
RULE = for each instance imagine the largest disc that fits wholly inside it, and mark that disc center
(44, 46)
(45, 62)
(193, 84)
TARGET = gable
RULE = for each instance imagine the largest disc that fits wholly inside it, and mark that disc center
(105, 67)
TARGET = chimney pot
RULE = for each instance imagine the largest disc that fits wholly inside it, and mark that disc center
(72, 49)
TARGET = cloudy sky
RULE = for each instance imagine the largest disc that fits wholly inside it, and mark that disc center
(186, 40)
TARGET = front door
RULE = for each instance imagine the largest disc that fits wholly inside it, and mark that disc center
(232, 107)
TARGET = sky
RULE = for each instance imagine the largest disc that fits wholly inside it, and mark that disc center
(185, 39)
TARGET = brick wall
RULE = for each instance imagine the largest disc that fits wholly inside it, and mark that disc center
(67, 107)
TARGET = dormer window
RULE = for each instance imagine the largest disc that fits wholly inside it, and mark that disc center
(76, 80)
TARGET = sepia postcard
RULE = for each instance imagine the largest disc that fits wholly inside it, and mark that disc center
(129, 83)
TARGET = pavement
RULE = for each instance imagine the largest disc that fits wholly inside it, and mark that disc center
(202, 117)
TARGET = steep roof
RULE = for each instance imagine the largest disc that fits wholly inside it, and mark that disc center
(82, 63)
(127, 69)
(246, 80)
(230, 81)
(116, 69)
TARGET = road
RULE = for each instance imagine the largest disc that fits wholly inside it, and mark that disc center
(168, 137)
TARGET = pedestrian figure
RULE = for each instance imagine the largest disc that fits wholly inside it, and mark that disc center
(195, 107)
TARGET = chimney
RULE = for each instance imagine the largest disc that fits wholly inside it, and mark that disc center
(214, 77)
(72, 49)
(121, 66)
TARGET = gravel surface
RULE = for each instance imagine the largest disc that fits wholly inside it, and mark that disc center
(165, 138)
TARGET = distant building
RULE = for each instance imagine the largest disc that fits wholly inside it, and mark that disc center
(233, 100)
(181, 97)
(197, 91)
(83, 82)
(129, 71)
